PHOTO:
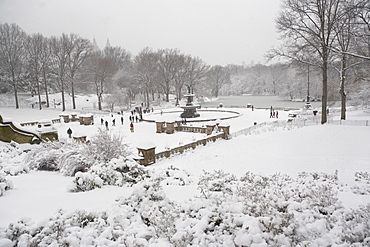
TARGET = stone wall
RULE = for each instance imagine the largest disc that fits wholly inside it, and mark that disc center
(148, 156)
(10, 132)
(13, 132)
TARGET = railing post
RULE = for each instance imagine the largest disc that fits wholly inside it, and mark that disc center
(146, 154)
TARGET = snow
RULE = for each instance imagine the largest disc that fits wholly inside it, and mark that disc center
(38, 195)
(341, 149)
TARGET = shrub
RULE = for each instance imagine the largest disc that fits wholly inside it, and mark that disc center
(104, 147)
(11, 157)
(120, 171)
(362, 185)
(86, 182)
(172, 176)
(356, 226)
(45, 156)
(5, 185)
(70, 157)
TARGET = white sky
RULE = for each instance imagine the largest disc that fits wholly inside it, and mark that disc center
(218, 31)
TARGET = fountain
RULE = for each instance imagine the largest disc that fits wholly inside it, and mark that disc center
(190, 109)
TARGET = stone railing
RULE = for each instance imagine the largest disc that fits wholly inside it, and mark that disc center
(10, 131)
(170, 127)
(33, 123)
(192, 145)
(147, 156)
(84, 119)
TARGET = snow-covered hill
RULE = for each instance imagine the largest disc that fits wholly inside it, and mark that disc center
(275, 186)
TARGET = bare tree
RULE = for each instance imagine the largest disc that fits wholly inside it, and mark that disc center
(103, 65)
(218, 76)
(344, 42)
(276, 76)
(78, 50)
(167, 70)
(102, 70)
(34, 49)
(181, 75)
(12, 55)
(59, 61)
(359, 12)
(145, 72)
(197, 70)
(45, 61)
(307, 27)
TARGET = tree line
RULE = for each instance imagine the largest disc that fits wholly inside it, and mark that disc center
(63, 64)
(325, 35)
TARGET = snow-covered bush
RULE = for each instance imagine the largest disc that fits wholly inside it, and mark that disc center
(66, 156)
(172, 176)
(46, 155)
(104, 147)
(272, 210)
(362, 185)
(218, 181)
(117, 172)
(74, 159)
(120, 171)
(85, 182)
(63, 229)
(252, 210)
(70, 157)
(356, 226)
(5, 185)
(157, 213)
(11, 157)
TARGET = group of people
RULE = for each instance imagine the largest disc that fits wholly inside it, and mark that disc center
(136, 116)
(273, 113)
(102, 122)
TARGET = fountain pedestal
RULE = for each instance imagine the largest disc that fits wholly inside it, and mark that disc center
(190, 109)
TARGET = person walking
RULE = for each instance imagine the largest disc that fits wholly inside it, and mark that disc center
(102, 121)
(114, 122)
(122, 120)
(277, 114)
(106, 125)
(271, 112)
(69, 132)
(132, 127)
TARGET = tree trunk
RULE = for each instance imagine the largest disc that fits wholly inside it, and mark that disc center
(46, 93)
(178, 98)
(63, 100)
(342, 91)
(99, 102)
(324, 85)
(46, 88)
(73, 95)
(16, 96)
(39, 94)
(15, 92)
(147, 98)
(167, 97)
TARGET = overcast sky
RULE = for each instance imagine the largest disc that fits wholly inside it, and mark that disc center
(217, 31)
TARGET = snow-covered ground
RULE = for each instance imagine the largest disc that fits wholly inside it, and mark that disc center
(331, 149)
